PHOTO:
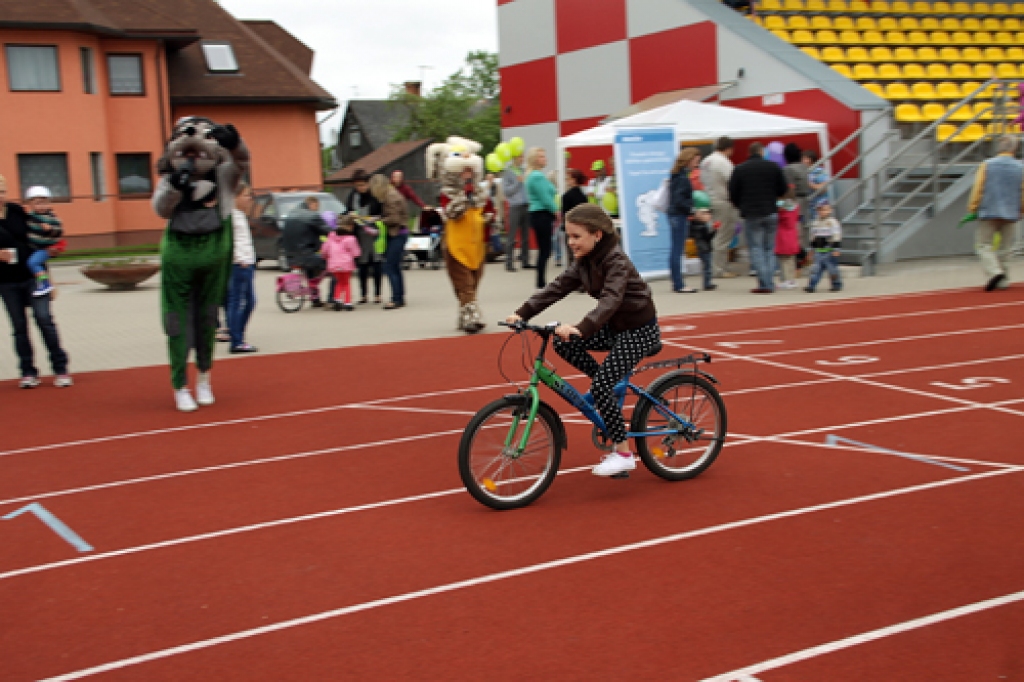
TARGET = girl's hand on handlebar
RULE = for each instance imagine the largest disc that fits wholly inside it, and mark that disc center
(567, 332)
(513, 319)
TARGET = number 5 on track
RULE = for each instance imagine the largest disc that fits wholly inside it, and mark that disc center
(968, 383)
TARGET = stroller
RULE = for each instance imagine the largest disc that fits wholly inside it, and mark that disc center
(424, 247)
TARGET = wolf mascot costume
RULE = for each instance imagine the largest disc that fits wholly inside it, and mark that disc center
(199, 175)
(466, 207)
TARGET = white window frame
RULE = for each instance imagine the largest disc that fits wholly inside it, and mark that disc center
(220, 57)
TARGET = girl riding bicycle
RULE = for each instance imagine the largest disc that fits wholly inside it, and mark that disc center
(625, 322)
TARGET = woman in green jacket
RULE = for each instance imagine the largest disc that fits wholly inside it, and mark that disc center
(541, 196)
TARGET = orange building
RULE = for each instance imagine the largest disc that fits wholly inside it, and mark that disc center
(93, 87)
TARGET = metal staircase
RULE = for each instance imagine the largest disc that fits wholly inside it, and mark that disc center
(920, 177)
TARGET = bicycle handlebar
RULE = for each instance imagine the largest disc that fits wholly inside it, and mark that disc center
(521, 326)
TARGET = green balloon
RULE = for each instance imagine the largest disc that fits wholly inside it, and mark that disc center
(701, 199)
(516, 145)
(493, 163)
(503, 152)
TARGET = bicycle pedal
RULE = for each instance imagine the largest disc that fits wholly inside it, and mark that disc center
(621, 474)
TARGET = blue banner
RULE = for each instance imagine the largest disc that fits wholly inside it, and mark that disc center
(643, 159)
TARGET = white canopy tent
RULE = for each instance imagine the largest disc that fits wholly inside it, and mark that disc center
(695, 121)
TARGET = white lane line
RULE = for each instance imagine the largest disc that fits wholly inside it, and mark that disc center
(407, 408)
(865, 637)
(518, 572)
(849, 320)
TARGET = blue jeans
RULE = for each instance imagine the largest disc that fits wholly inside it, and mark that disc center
(706, 265)
(824, 260)
(393, 267)
(18, 297)
(241, 301)
(556, 244)
(680, 229)
(761, 240)
(37, 261)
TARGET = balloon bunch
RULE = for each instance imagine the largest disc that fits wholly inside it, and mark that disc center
(503, 153)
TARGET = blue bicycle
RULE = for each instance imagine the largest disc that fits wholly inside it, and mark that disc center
(511, 449)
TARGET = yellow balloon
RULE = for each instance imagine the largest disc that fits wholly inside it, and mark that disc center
(494, 164)
(516, 145)
(503, 152)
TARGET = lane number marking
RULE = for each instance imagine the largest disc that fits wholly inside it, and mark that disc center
(968, 383)
(848, 360)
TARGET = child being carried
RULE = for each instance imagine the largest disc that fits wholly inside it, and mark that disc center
(44, 232)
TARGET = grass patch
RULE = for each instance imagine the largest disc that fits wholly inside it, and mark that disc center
(114, 252)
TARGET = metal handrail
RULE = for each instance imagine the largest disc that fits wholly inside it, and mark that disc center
(850, 138)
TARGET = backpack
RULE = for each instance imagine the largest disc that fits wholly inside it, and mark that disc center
(662, 197)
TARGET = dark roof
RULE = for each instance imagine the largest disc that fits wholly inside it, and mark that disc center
(119, 18)
(379, 119)
(284, 42)
(378, 159)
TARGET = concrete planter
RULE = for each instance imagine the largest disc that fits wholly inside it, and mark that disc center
(121, 277)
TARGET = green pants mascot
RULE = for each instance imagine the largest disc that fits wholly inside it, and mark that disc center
(199, 175)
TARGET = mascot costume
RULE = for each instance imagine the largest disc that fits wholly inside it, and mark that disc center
(466, 207)
(199, 175)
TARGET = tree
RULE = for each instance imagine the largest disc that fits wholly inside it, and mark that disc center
(465, 104)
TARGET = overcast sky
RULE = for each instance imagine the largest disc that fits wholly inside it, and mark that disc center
(363, 47)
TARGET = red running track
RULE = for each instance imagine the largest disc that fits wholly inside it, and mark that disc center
(319, 530)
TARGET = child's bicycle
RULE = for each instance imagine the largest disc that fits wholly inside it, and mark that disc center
(510, 451)
(293, 290)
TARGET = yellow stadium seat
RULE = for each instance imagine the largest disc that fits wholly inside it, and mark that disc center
(782, 35)
(904, 54)
(930, 24)
(843, 24)
(927, 55)
(1003, 129)
(914, 72)
(949, 54)
(880, 6)
(941, 8)
(888, 24)
(833, 55)
(983, 8)
(961, 71)
(947, 90)
(1002, 70)
(999, 8)
(815, 5)
(964, 113)
(872, 38)
(895, 38)
(920, 7)
(932, 111)
(848, 37)
(961, 8)
(1015, 54)
(1017, 8)
(793, 5)
(968, 87)
(804, 37)
(900, 7)
(857, 54)
(874, 89)
(937, 71)
(797, 21)
(827, 37)
(918, 38)
(923, 91)
(773, 21)
(909, 24)
(991, 24)
(961, 38)
(983, 71)
(1019, 35)
(908, 113)
(811, 52)
(864, 72)
(889, 72)
(769, 5)
(820, 22)
(984, 110)
(970, 24)
(1004, 38)
(837, 5)
(974, 54)
(881, 54)
(896, 91)
(866, 24)
(1011, 24)
(971, 133)
(981, 38)
(859, 6)
(939, 38)
(945, 132)
(842, 70)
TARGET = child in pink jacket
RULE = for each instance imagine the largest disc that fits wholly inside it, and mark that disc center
(341, 250)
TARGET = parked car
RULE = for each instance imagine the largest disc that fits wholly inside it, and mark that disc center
(269, 211)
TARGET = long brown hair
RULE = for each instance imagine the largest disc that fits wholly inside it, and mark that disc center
(685, 156)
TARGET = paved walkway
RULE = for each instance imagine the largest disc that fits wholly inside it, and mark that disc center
(105, 330)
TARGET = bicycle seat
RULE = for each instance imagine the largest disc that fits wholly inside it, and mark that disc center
(654, 351)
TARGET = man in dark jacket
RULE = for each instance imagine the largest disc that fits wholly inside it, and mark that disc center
(301, 240)
(755, 187)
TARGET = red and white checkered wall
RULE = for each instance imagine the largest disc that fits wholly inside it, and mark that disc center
(567, 64)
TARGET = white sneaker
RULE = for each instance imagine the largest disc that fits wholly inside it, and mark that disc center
(28, 382)
(63, 381)
(614, 463)
(184, 401)
(790, 284)
(204, 392)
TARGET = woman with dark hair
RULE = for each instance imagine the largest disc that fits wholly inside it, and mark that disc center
(369, 263)
(573, 197)
(395, 216)
(680, 206)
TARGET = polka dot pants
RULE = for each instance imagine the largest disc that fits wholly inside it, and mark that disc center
(626, 350)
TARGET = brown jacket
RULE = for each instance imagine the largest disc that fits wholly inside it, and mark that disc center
(394, 212)
(623, 298)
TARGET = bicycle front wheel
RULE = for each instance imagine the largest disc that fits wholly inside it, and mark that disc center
(494, 469)
(290, 302)
(689, 451)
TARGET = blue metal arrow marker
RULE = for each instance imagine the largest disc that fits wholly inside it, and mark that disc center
(832, 439)
(55, 524)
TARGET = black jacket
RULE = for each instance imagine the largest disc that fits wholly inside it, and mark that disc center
(573, 198)
(357, 201)
(302, 231)
(680, 194)
(755, 186)
(14, 235)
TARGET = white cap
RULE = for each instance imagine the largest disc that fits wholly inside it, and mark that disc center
(38, 192)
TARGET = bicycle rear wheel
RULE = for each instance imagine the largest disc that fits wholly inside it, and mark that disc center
(677, 457)
(494, 472)
(290, 302)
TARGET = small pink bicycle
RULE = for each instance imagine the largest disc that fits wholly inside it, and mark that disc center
(294, 289)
